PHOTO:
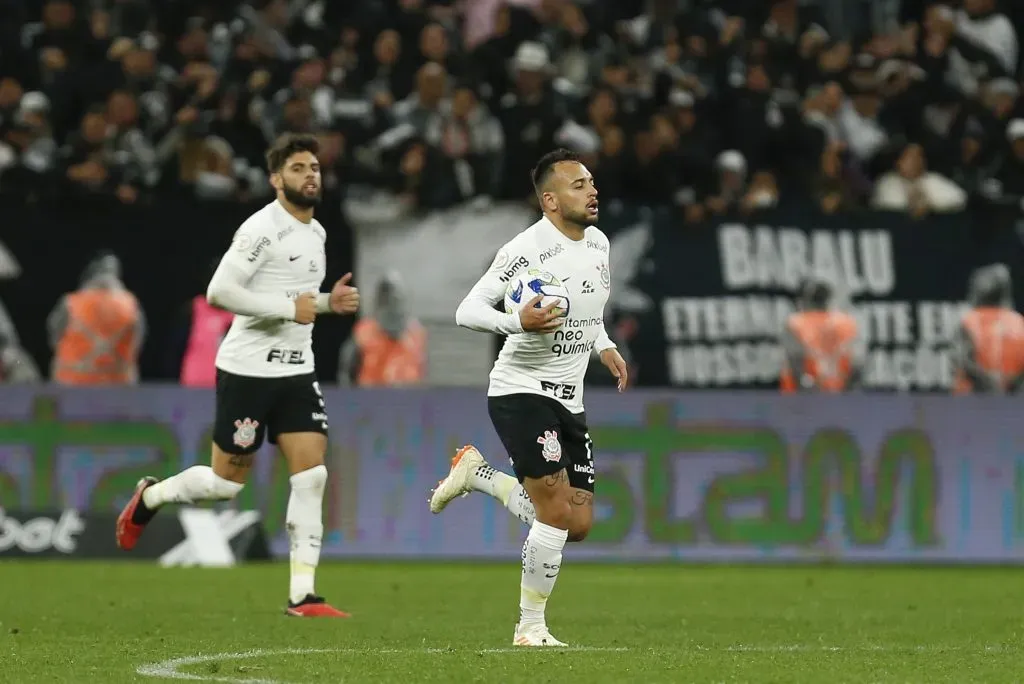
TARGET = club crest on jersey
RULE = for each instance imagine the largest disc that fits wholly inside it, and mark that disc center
(551, 448)
(245, 435)
(606, 276)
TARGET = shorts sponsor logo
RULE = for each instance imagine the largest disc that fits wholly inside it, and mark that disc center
(588, 469)
(245, 434)
(551, 448)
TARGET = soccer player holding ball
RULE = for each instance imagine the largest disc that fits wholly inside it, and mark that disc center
(554, 281)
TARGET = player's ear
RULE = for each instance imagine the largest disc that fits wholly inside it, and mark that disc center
(548, 201)
(275, 180)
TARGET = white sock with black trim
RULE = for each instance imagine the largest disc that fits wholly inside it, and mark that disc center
(542, 560)
(505, 489)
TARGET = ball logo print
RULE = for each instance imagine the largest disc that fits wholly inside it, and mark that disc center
(526, 286)
(245, 435)
(551, 449)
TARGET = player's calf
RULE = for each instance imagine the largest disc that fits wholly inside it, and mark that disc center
(582, 503)
(542, 550)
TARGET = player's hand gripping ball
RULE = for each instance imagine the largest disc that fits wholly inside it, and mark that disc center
(542, 291)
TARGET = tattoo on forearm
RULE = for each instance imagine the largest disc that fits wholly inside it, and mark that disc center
(581, 498)
(556, 479)
(242, 460)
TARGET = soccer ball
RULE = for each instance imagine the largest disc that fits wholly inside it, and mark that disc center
(526, 286)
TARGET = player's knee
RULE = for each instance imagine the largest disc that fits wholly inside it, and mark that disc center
(579, 530)
(554, 512)
(314, 478)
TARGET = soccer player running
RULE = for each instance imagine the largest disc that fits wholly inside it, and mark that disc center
(535, 396)
(270, 279)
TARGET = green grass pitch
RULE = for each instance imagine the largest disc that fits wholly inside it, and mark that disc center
(127, 622)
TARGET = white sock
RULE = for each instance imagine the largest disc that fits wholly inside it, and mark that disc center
(304, 521)
(505, 489)
(542, 559)
(198, 483)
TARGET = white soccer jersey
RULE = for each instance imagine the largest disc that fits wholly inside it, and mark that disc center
(551, 364)
(279, 258)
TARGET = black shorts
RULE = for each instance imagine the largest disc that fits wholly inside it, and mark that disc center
(250, 408)
(542, 437)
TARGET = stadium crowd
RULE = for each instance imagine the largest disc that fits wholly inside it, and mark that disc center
(713, 106)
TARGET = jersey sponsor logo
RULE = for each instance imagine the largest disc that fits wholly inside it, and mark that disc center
(571, 338)
(559, 390)
(294, 357)
(551, 449)
(593, 244)
(509, 272)
(606, 276)
(245, 433)
(588, 287)
(551, 252)
(285, 233)
(261, 244)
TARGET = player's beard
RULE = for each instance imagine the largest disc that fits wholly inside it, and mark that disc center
(300, 199)
(581, 218)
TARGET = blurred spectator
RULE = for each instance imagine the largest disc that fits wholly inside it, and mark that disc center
(16, 365)
(839, 187)
(387, 347)
(531, 113)
(989, 345)
(824, 350)
(201, 330)
(442, 102)
(1010, 174)
(97, 331)
(914, 189)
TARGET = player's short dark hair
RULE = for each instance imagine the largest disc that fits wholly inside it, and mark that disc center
(287, 145)
(542, 170)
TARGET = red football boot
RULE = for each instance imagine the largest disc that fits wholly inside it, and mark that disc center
(313, 606)
(128, 530)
